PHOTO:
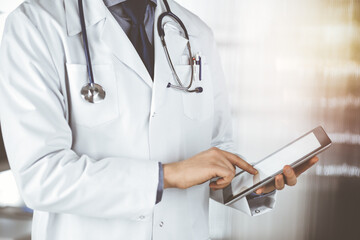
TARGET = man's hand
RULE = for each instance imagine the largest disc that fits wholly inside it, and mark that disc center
(288, 177)
(203, 167)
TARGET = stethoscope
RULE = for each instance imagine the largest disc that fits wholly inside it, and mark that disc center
(95, 93)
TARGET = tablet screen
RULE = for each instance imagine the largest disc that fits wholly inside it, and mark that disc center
(273, 164)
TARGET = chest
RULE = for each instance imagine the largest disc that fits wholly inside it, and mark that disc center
(136, 109)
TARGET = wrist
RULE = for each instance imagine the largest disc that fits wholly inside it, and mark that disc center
(169, 181)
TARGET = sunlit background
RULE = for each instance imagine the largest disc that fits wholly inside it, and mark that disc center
(290, 66)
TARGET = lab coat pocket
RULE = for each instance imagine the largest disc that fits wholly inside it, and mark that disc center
(197, 106)
(92, 114)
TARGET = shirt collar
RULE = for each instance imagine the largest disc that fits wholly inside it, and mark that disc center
(110, 3)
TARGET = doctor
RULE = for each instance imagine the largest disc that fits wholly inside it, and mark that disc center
(103, 139)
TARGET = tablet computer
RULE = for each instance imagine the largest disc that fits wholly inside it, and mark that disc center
(293, 154)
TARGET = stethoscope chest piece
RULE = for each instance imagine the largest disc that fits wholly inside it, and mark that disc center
(93, 93)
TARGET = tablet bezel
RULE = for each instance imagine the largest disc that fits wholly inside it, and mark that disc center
(324, 141)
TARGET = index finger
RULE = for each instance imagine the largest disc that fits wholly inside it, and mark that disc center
(241, 163)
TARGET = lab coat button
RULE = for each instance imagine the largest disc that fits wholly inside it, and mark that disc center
(153, 114)
(161, 224)
(141, 217)
(257, 211)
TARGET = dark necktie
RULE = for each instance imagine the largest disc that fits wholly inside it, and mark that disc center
(135, 9)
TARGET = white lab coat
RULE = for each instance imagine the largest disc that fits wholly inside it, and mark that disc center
(90, 171)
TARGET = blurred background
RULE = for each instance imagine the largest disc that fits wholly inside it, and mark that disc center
(290, 66)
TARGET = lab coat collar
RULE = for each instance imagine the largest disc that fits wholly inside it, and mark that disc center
(123, 49)
(176, 44)
(94, 12)
(160, 58)
(116, 39)
(120, 45)
(162, 71)
(112, 34)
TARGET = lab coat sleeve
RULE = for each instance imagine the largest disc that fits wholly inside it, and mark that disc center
(50, 175)
(222, 137)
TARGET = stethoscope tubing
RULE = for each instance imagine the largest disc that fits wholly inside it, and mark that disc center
(161, 32)
(85, 43)
(168, 13)
(97, 88)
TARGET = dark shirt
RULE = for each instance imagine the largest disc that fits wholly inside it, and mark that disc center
(124, 21)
